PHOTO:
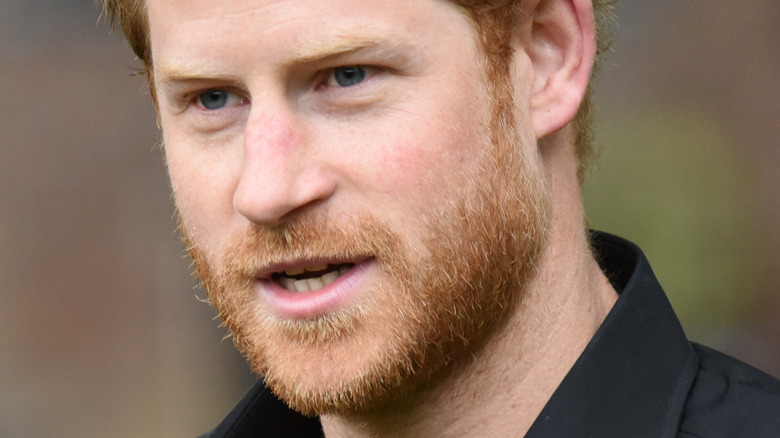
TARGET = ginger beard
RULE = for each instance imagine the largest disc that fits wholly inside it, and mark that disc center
(437, 299)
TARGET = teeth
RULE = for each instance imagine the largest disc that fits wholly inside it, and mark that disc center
(315, 283)
(330, 277)
(287, 283)
(294, 271)
(301, 285)
(310, 284)
(306, 285)
(300, 270)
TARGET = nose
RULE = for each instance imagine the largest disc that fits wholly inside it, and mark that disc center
(282, 172)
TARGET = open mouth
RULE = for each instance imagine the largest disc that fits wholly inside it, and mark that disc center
(310, 278)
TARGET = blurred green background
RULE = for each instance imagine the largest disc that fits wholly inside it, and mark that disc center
(674, 183)
(101, 332)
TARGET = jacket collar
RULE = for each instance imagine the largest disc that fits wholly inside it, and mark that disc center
(634, 375)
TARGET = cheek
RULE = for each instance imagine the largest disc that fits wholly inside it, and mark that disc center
(427, 161)
(201, 184)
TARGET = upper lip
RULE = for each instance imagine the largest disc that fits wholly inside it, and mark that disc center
(266, 272)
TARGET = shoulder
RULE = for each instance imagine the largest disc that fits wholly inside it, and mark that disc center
(729, 398)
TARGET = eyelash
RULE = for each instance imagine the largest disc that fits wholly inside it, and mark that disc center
(329, 81)
(231, 97)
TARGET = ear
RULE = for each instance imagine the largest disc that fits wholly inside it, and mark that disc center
(561, 45)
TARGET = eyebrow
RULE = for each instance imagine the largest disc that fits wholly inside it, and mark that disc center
(339, 45)
(173, 72)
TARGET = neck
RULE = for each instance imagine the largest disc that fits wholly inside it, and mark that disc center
(500, 391)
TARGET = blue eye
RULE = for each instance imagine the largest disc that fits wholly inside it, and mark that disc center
(349, 76)
(214, 99)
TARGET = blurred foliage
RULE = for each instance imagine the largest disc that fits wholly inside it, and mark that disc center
(672, 181)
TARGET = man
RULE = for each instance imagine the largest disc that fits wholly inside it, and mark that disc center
(383, 202)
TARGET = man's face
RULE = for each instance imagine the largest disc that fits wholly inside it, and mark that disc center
(356, 219)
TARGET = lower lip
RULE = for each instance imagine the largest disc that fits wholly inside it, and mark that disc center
(300, 305)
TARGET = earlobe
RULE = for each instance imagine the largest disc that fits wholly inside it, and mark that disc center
(561, 48)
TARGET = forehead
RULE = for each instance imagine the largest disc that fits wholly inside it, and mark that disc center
(292, 25)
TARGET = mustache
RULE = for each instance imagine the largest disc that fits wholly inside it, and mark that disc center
(308, 238)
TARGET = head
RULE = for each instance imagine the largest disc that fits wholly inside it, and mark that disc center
(364, 206)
